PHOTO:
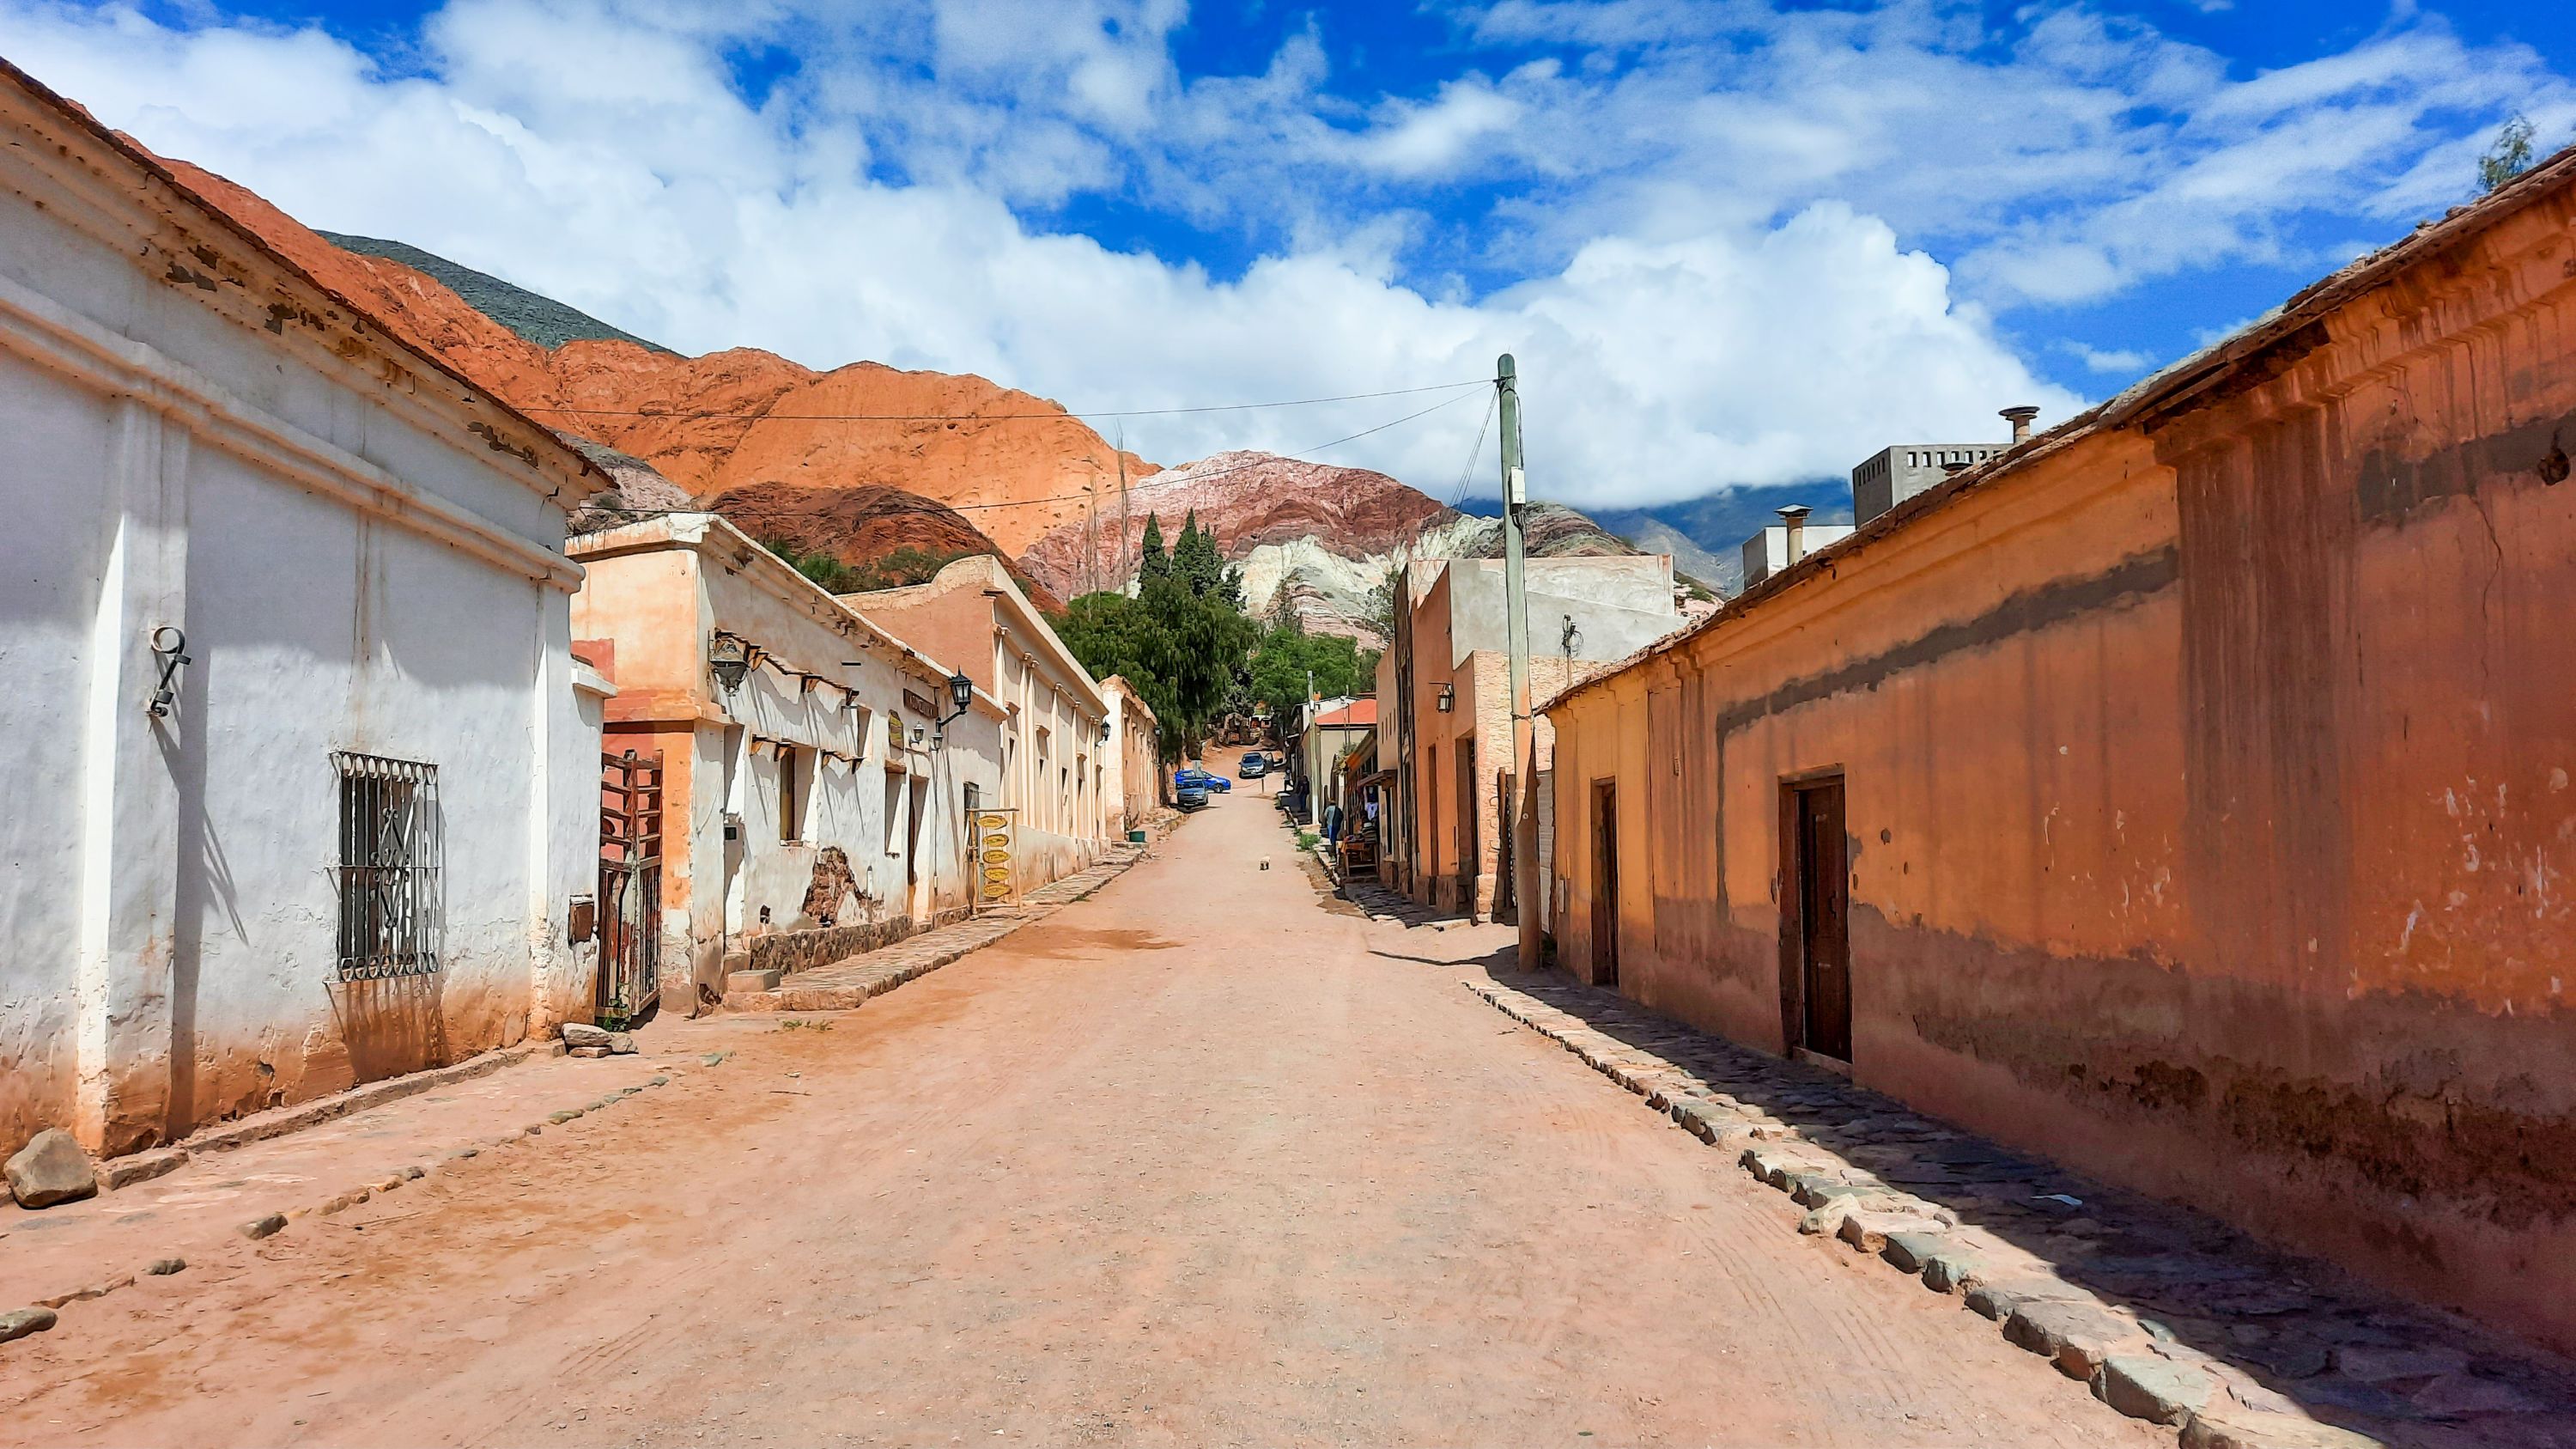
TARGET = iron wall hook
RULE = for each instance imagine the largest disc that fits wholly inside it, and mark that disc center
(173, 655)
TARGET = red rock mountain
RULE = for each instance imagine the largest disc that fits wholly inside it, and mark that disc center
(990, 467)
(1248, 500)
(866, 461)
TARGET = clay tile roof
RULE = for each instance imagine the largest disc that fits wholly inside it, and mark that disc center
(1358, 714)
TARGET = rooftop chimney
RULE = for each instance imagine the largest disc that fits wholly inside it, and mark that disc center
(2021, 417)
(1793, 517)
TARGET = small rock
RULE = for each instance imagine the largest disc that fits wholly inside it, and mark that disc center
(1908, 1252)
(587, 1053)
(1867, 1229)
(1998, 1300)
(1825, 1219)
(560, 1118)
(2456, 1394)
(1811, 1189)
(2158, 1390)
(258, 1228)
(621, 1043)
(2369, 1365)
(1949, 1272)
(461, 1153)
(2230, 1426)
(2076, 1336)
(415, 1172)
(24, 1321)
(582, 1034)
(164, 1267)
(50, 1169)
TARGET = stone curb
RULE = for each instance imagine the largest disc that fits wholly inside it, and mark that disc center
(2130, 1367)
(963, 939)
(267, 1225)
(126, 1171)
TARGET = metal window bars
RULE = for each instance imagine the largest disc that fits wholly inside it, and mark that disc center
(392, 901)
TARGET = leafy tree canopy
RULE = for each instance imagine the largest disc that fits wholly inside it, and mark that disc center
(1182, 651)
(1285, 655)
(2509, 157)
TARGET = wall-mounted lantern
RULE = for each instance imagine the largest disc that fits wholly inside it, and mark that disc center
(961, 695)
(1448, 698)
(1104, 731)
(730, 658)
(170, 646)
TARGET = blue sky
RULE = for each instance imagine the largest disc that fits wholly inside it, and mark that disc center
(1731, 241)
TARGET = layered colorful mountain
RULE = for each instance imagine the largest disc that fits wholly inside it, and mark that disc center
(886, 471)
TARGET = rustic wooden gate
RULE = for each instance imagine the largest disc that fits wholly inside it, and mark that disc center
(630, 887)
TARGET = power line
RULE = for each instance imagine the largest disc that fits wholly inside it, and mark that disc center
(695, 415)
(1474, 452)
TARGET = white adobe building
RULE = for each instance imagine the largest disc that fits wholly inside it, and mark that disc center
(817, 770)
(301, 787)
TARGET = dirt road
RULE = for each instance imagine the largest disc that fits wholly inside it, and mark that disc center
(1193, 1162)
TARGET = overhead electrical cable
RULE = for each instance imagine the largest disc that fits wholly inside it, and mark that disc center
(695, 415)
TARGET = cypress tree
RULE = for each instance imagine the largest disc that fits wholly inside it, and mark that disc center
(1153, 563)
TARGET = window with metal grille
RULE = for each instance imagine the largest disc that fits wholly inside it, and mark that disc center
(392, 907)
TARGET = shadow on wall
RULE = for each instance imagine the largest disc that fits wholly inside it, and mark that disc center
(2342, 1351)
(394, 1025)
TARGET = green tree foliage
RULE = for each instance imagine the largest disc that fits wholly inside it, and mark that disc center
(1195, 559)
(1154, 562)
(897, 569)
(1284, 656)
(2508, 158)
(1181, 650)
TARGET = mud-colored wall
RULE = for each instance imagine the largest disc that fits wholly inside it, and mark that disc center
(2207, 789)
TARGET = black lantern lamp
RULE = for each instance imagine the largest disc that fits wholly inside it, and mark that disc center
(961, 696)
(1448, 698)
(730, 659)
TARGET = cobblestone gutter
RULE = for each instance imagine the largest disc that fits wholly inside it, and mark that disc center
(2169, 1316)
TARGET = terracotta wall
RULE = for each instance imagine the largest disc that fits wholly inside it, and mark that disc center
(2207, 785)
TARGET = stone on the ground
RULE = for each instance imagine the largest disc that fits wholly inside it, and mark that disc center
(1867, 1228)
(164, 1267)
(2455, 1394)
(582, 1034)
(1998, 1300)
(560, 1118)
(2078, 1337)
(21, 1322)
(1908, 1252)
(50, 1169)
(1949, 1271)
(621, 1043)
(2364, 1364)
(1814, 1189)
(2232, 1426)
(2145, 1386)
(262, 1227)
(587, 1053)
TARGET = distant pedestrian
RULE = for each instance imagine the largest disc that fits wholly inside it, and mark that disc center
(1333, 823)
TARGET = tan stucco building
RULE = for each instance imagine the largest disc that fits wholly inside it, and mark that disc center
(2183, 793)
(1444, 716)
(1055, 737)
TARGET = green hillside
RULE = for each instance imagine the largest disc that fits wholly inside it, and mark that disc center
(540, 319)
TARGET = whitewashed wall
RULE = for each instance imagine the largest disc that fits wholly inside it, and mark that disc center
(354, 567)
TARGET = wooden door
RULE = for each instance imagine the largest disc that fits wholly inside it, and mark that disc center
(1605, 884)
(1824, 919)
(1471, 849)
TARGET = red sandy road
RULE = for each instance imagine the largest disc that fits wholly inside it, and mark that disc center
(1184, 1164)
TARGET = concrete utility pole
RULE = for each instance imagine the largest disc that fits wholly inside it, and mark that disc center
(1524, 800)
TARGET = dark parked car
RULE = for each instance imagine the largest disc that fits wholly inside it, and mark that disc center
(1255, 765)
(1189, 789)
